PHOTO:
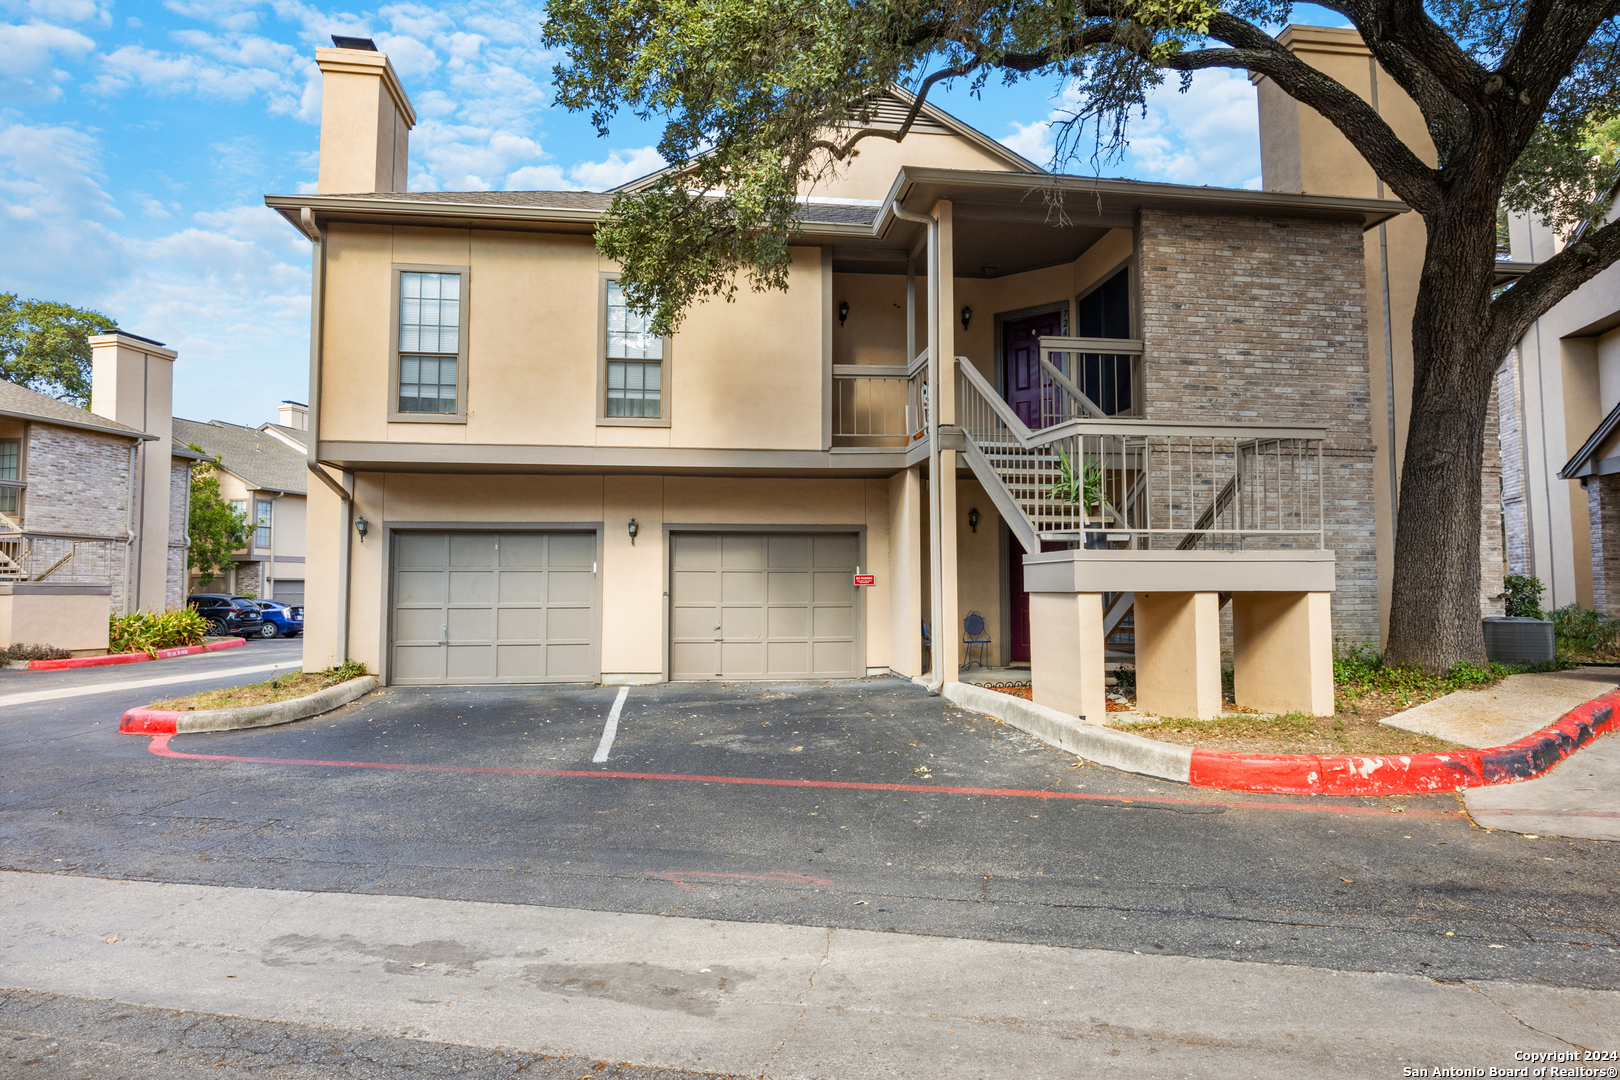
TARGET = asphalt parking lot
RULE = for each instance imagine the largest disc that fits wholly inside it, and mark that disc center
(808, 804)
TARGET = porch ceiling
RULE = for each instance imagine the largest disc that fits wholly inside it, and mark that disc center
(990, 241)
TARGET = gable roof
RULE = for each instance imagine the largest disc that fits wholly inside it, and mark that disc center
(288, 434)
(889, 112)
(1585, 462)
(21, 403)
(260, 460)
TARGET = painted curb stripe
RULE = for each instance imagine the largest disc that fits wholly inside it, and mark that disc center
(1408, 774)
(133, 657)
(149, 722)
(160, 746)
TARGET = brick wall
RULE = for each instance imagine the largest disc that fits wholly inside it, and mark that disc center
(1265, 322)
(78, 482)
(174, 592)
(1492, 548)
(1603, 507)
(1510, 449)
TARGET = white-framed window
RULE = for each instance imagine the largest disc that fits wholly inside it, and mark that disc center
(634, 363)
(10, 469)
(429, 376)
(262, 509)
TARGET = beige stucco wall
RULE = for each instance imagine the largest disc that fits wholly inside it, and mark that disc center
(71, 617)
(132, 382)
(532, 341)
(871, 174)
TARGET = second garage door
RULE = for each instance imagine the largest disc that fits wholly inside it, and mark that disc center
(494, 607)
(763, 607)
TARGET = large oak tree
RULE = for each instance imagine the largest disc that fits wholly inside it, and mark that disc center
(761, 98)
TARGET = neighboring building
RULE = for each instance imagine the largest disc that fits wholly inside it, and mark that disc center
(93, 502)
(1160, 393)
(262, 474)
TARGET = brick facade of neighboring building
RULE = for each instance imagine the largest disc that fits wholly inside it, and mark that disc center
(1603, 507)
(1266, 321)
(174, 592)
(78, 487)
(1492, 543)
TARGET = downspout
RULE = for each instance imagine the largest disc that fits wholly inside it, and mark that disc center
(317, 335)
(935, 483)
(129, 522)
(270, 562)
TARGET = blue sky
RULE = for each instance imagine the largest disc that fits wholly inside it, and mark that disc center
(137, 141)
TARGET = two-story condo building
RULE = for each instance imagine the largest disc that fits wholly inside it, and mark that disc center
(1054, 401)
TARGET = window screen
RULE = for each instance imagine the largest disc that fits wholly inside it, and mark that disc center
(429, 323)
(634, 360)
(10, 462)
(262, 509)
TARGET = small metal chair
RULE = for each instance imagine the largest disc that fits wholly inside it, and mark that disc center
(973, 633)
(928, 648)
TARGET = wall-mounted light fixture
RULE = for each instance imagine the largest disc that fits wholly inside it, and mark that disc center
(973, 519)
(360, 526)
(967, 316)
(634, 528)
(843, 312)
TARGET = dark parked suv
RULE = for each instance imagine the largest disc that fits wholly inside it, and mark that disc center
(228, 615)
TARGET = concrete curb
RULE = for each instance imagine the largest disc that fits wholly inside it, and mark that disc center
(1301, 774)
(133, 657)
(170, 722)
(1116, 749)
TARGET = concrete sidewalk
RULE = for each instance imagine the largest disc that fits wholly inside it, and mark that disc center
(758, 999)
(1515, 707)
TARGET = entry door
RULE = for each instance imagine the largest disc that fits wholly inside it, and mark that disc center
(1021, 348)
(763, 607)
(510, 607)
(1018, 634)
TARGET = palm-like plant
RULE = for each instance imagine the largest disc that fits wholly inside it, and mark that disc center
(1083, 485)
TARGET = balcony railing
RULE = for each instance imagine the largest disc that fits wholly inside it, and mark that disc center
(1090, 379)
(880, 404)
(27, 554)
(1111, 483)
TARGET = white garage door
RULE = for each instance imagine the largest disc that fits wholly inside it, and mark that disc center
(494, 607)
(763, 607)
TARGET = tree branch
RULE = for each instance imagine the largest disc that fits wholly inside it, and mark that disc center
(840, 150)
(1516, 309)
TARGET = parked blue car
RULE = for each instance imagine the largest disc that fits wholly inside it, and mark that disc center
(280, 620)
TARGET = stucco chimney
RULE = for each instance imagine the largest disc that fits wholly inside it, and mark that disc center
(294, 414)
(132, 382)
(365, 121)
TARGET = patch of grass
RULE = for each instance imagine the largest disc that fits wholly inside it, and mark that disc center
(294, 684)
(1364, 684)
(1290, 733)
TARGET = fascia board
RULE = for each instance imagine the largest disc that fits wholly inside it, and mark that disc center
(35, 418)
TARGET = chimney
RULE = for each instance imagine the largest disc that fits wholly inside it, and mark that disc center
(132, 382)
(294, 414)
(365, 120)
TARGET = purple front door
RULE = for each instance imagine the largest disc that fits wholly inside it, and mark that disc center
(1022, 349)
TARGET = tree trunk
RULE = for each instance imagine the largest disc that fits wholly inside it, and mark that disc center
(1434, 608)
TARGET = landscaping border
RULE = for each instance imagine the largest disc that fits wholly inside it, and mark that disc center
(134, 657)
(172, 722)
(1302, 774)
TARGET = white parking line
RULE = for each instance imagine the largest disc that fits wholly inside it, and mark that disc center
(135, 684)
(612, 728)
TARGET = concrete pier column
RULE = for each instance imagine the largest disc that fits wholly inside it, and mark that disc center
(1066, 653)
(1283, 652)
(1178, 654)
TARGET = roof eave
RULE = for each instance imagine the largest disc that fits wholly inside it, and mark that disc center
(35, 418)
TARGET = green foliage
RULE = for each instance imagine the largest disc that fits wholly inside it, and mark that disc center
(1585, 634)
(149, 631)
(349, 669)
(1074, 485)
(21, 652)
(45, 346)
(1125, 678)
(217, 529)
(1523, 596)
(1360, 670)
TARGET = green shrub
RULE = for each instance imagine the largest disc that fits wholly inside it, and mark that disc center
(32, 652)
(349, 669)
(149, 631)
(1523, 596)
(1580, 631)
(1125, 678)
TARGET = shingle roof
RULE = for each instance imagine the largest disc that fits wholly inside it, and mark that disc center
(297, 435)
(26, 404)
(262, 461)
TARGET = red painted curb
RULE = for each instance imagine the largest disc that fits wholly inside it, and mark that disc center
(1407, 774)
(149, 722)
(133, 657)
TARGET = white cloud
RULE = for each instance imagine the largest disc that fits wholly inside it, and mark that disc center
(30, 50)
(1033, 141)
(61, 11)
(621, 167)
(538, 178)
(229, 70)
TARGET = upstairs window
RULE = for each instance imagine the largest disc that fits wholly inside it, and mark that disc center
(10, 466)
(262, 509)
(430, 373)
(633, 364)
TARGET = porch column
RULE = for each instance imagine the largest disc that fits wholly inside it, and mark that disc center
(908, 571)
(947, 621)
(1066, 653)
(1178, 654)
(1283, 652)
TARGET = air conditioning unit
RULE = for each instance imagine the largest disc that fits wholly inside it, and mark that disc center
(1519, 640)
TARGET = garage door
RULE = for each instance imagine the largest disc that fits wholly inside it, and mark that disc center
(762, 607)
(494, 607)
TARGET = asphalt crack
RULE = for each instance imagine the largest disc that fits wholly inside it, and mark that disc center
(810, 984)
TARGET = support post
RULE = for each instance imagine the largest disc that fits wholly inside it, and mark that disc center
(1178, 654)
(1283, 652)
(1066, 654)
